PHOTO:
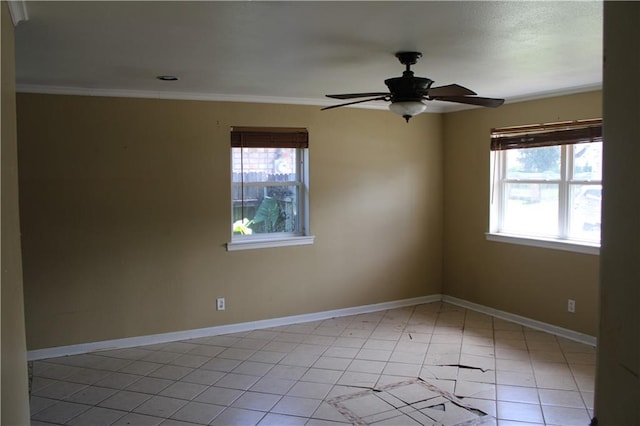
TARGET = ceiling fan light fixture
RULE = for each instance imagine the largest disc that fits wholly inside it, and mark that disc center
(407, 109)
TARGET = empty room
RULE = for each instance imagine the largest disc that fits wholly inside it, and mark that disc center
(317, 213)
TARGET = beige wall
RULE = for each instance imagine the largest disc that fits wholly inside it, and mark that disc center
(125, 215)
(15, 400)
(618, 369)
(528, 281)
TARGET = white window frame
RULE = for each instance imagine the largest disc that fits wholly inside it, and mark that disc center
(279, 239)
(498, 195)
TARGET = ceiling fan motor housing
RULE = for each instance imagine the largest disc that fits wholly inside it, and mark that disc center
(407, 88)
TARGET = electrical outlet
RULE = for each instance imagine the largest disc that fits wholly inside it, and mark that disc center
(571, 306)
(220, 305)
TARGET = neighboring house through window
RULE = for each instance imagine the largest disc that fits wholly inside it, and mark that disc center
(546, 187)
(269, 187)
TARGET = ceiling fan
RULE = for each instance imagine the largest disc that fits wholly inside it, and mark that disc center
(407, 93)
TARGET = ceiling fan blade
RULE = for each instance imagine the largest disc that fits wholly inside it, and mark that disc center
(357, 95)
(470, 100)
(381, 98)
(450, 90)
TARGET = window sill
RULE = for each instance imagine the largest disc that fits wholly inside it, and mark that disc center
(280, 242)
(572, 246)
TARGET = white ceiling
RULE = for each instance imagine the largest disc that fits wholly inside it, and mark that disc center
(296, 52)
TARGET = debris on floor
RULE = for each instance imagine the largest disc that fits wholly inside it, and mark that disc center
(413, 401)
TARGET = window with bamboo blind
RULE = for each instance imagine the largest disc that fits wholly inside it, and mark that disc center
(269, 187)
(547, 182)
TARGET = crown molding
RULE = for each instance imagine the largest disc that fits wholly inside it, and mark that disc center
(219, 97)
(535, 96)
(558, 92)
(189, 96)
(18, 11)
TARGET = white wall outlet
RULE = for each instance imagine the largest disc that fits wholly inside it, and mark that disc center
(571, 306)
(220, 305)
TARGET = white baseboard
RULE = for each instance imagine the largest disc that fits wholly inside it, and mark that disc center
(527, 322)
(129, 342)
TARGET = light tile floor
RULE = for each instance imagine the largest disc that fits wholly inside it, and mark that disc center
(427, 364)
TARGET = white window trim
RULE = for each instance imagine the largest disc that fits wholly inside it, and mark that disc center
(246, 242)
(555, 244)
(497, 168)
(271, 242)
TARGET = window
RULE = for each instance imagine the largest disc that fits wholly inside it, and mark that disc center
(269, 187)
(547, 185)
